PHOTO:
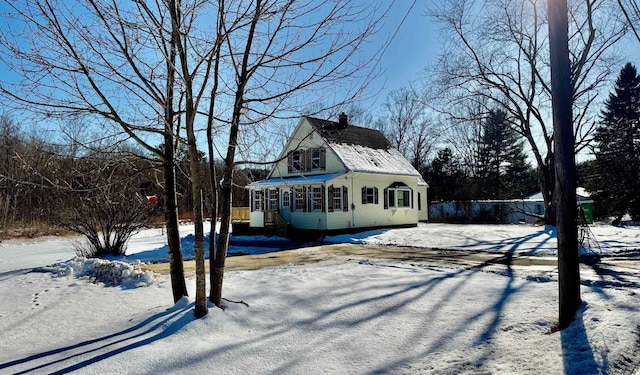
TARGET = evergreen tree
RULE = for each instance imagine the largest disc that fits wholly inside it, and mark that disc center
(502, 170)
(447, 179)
(618, 146)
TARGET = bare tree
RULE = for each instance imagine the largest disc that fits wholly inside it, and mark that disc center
(110, 62)
(283, 53)
(409, 127)
(194, 88)
(631, 11)
(496, 57)
(9, 154)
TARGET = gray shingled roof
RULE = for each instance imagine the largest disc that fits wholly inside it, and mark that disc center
(351, 135)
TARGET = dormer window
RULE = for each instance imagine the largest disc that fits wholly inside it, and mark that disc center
(297, 161)
(315, 158)
(306, 160)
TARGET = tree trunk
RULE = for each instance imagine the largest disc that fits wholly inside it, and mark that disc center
(229, 165)
(213, 241)
(565, 168)
(218, 261)
(546, 180)
(216, 269)
(176, 267)
(215, 274)
(196, 189)
(190, 107)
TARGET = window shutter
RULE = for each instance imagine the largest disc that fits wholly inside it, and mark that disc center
(323, 158)
(252, 199)
(305, 198)
(375, 195)
(386, 198)
(292, 199)
(412, 198)
(277, 207)
(307, 160)
(364, 195)
(345, 199)
(322, 199)
(290, 162)
(330, 198)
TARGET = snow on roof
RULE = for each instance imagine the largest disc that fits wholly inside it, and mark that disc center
(580, 193)
(298, 180)
(359, 158)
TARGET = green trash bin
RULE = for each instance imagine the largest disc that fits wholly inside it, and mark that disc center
(587, 209)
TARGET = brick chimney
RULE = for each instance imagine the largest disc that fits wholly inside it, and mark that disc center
(343, 120)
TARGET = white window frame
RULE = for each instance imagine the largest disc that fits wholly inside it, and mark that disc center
(315, 193)
(272, 199)
(297, 160)
(298, 199)
(257, 200)
(316, 155)
(337, 199)
(370, 192)
(393, 203)
(286, 199)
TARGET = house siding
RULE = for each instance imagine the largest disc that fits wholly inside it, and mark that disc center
(391, 171)
(306, 138)
(373, 215)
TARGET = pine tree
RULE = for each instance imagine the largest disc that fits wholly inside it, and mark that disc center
(618, 146)
(448, 179)
(502, 170)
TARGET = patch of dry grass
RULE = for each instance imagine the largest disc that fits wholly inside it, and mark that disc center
(316, 254)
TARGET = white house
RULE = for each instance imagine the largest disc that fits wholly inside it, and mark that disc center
(332, 176)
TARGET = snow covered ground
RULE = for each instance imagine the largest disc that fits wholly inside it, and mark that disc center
(344, 316)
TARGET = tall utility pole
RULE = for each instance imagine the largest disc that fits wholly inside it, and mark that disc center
(565, 163)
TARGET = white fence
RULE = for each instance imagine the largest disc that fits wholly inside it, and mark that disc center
(499, 211)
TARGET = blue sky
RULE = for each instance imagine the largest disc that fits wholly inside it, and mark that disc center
(417, 44)
(414, 46)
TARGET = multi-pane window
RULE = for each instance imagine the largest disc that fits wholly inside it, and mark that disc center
(307, 160)
(398, 196)
(369, 195)
(257, 200)
(404, 198)
(336, 199)
(316, 198)
(272, 199)
(299, 199)
(298, 160)
(286, 199)
(315, 158)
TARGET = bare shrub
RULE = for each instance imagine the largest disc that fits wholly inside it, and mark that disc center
(107, 221)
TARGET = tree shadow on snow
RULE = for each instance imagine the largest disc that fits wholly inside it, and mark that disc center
(75, 357)
(514, 244)
(240, 245)
(381, 304)
(577, 353)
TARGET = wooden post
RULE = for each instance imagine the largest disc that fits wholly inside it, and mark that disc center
(565, 166)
